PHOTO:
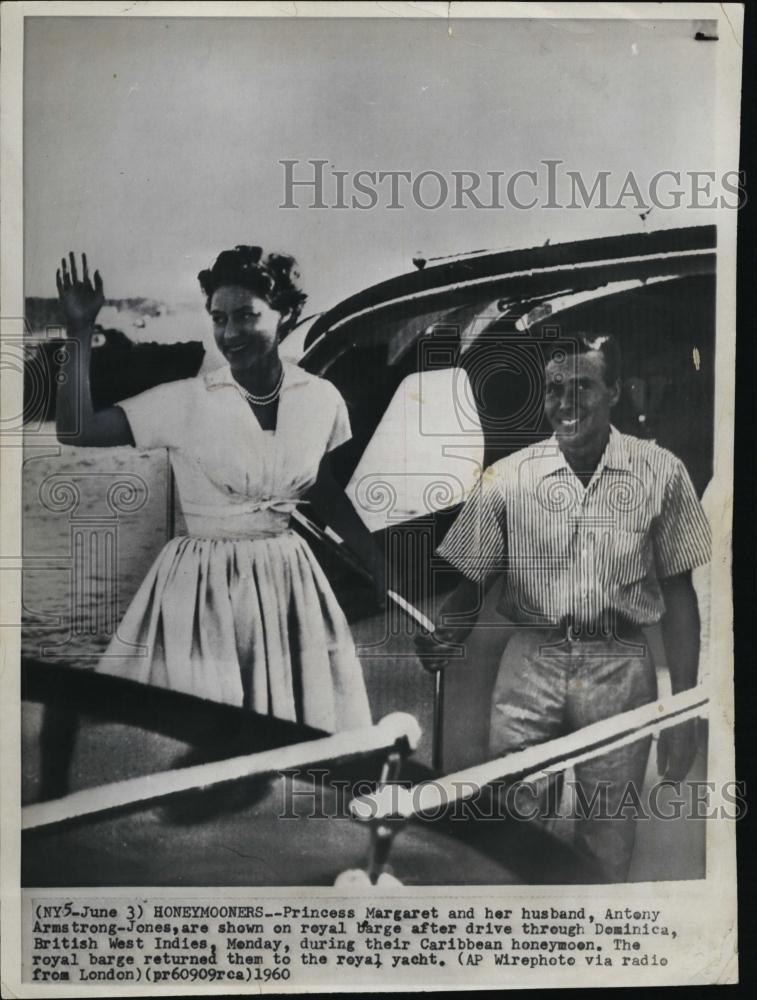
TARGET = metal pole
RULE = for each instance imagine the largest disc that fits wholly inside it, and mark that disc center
(437, 716)
(437, 749)
(171, 499)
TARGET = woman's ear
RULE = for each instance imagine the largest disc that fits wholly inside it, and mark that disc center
(286, 322)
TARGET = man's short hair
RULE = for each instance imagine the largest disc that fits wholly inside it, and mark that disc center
(581, 343)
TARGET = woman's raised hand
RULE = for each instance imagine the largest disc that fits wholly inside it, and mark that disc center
(80, 299)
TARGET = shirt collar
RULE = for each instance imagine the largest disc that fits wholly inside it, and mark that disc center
(616, 453)
(550, 458)
(293, 376)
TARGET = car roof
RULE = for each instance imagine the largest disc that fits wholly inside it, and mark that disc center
(529, 274)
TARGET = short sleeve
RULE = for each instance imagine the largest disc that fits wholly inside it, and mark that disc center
(681, 532)
(476, 543)
(341, 430)
(158, 416)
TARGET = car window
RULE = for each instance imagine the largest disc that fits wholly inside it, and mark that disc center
(426, 453)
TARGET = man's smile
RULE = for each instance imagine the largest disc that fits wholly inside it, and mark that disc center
(566, 423)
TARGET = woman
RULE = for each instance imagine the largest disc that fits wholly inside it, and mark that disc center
(238, 610)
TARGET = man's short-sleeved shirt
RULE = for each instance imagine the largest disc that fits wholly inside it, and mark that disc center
(569, 551)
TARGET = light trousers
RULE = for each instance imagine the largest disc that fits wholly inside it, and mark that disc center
(547, 687)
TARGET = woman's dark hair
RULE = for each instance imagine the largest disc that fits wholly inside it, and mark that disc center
(275, 277)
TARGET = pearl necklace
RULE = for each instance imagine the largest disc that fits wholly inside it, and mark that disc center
(268, 398)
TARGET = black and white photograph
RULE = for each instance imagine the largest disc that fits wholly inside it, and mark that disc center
(367, 442)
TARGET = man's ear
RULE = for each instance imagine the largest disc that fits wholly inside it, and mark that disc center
(615, 390)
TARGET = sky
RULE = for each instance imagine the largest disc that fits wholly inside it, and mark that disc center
(154, 143)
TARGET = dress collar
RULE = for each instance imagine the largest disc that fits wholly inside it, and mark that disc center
(222, 377)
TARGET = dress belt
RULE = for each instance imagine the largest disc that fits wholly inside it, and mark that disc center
(259, 519)
(277, 504)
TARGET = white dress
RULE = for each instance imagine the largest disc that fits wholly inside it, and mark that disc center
(238, 610)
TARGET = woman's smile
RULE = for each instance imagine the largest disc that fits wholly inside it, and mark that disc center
(233, 350)
(245, 326)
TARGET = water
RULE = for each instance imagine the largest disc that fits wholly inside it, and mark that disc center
(93, 522)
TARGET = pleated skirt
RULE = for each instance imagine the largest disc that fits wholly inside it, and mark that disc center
(250, 622)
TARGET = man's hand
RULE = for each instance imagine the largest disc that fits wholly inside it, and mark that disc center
(676, 750)
(435, 649)
(81, 300)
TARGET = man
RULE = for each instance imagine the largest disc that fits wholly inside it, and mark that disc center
(594, 534)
